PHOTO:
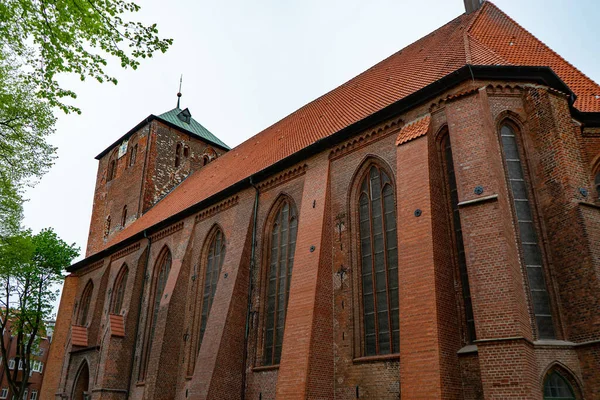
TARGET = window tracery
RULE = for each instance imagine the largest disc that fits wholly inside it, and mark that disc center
(378, 261)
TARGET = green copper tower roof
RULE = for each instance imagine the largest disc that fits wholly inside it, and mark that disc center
(177, 118)
(183, 119)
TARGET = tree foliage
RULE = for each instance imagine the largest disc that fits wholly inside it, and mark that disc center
(31, 266)
(51, 37)
(25, 123)
(40, 40)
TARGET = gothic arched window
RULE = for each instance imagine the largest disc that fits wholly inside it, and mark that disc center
(530, 248)
(159, 280)
(119, 290)
(281, 237)
(378, 252)
(112, 169)
(84, 307)
(458, 238)
(213, 263)
(556, 387)
(133, 155)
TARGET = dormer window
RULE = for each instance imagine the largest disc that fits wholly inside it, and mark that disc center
(178, 155)
(185, 116)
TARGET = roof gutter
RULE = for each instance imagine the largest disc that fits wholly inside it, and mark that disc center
(541, 75)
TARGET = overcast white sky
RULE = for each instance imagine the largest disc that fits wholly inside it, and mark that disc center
(247, 64)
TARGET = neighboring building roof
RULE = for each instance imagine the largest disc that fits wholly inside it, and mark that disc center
(485, 37)
(193, 126)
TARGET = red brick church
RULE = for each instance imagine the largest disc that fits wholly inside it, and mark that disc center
(429, 229)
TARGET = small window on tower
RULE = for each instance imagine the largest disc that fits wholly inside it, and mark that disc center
(132, 155)
(111, 171)
(178, 155)
(205, 160)
(186, 151)
(124, 216)
(107, 227)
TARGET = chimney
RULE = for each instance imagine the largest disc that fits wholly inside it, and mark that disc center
(472, 5)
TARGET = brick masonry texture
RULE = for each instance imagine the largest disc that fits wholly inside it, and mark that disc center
(323, 354)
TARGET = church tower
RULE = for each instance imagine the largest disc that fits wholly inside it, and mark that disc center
(472, 5)
(143, 166)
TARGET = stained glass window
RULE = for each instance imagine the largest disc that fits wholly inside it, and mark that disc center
(282, 244)
(532, 254)
(379, 264)
(214, 262)
(458, 239)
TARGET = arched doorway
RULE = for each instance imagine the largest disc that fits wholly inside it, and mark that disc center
(81, 389)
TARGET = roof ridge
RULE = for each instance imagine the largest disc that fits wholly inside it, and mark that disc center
(355, 103)
(472, 38)
(477, 14)
(534, 37)
(474, 17)
(468, 58)
(309, 103)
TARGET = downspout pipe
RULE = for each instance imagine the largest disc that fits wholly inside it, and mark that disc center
(250, 287)
(139, 313)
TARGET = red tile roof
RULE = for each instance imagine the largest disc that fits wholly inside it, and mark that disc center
(497, 32)
(117, 326)
(413, 130)
(79, 336)
(485, 37)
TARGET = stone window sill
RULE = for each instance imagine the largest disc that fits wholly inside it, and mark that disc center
(386, 357)
(469, 349)
(261, 368)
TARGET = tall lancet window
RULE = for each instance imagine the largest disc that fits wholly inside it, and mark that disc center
(530, 247)
(118, 292)
(159, 281)
(86, 299)
(281, 247)
(214, 261)
(378, 264)
(458, 239)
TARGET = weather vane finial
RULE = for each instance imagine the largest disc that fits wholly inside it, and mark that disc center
(179, 93)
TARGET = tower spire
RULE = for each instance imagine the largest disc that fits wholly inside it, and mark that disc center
(179, 93)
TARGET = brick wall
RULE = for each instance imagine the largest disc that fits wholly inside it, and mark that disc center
(142, 184)
(323, 350)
